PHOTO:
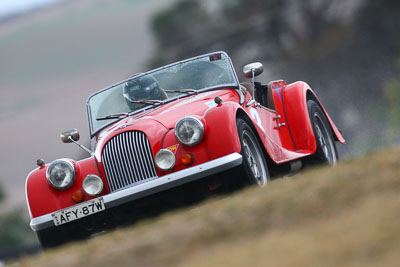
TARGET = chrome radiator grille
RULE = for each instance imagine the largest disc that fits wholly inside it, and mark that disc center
(127, 160)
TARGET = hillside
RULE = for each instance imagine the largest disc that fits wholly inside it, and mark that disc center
(347, 215)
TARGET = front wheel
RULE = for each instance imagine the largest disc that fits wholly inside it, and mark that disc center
(254, 164)
(326, 147)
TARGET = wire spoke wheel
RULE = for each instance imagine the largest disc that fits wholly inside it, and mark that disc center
(254, 163)
(326, 147)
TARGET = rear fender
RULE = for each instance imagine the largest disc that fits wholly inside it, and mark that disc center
(295, 99)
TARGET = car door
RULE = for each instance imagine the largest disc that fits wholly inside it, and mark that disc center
(269, 115)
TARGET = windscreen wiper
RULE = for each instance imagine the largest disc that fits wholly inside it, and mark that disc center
(126, 114)
(148, 101)
(113, 116)
(188, 91)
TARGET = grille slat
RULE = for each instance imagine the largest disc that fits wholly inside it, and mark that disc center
(141, 163)
(111, 183)
(125, 150)
(123, 166)
(117, 163)
(128, 160)
(110, 170)
(147, 157)
(144, 158)
(131, 159)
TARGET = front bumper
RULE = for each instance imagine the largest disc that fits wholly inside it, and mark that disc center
(154, 186)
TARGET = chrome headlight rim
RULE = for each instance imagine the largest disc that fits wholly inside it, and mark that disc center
(199, 123)
(71, 167)
(157, 160)
(99, 186)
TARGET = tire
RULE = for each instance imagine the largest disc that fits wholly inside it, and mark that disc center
(254, 164)
(326, 148)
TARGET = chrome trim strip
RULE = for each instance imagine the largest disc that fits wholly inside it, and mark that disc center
(172, 180)
(42, 222)
(155, 186)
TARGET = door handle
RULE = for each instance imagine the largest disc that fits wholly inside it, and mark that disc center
(281, 125)
(277, 118)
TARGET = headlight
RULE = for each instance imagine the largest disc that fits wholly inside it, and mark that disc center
(61, 173)
(165, 159)
(92, 184)
(189, 131)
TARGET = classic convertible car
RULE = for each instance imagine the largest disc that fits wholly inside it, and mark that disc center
(172, 127)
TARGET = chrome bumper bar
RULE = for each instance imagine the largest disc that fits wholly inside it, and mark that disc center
(154, 186)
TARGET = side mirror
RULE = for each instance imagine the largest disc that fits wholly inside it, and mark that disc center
(257, 67)
(73, 133)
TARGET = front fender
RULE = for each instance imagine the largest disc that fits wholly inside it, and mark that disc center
(220, 138)
(223, 139)
(43, 198)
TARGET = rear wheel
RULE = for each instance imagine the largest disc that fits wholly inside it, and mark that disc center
(254, 164)
(326, 147)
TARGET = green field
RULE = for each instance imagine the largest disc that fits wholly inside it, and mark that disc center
(347, 215)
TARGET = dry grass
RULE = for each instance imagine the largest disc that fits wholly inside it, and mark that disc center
(343, 215)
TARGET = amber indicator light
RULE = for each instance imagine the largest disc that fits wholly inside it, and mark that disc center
(78, 196)
(187, 159)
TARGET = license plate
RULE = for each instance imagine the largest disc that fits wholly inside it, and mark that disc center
(79, 211)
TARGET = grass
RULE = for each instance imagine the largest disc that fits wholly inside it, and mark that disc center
(347, 215)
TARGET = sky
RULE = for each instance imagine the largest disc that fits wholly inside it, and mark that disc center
(14, 7)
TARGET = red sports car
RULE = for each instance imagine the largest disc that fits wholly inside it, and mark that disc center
(166, 129)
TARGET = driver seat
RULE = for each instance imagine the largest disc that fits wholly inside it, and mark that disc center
(263, 93)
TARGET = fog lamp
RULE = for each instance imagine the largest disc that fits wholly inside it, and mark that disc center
(165, 159)
(92, 184)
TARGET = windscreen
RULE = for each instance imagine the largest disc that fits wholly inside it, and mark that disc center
(163, 84)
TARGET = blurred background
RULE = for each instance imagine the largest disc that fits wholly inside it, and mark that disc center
(55, 53)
